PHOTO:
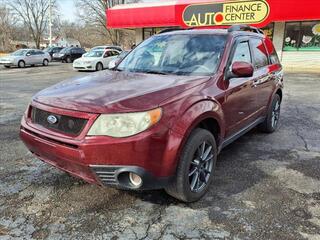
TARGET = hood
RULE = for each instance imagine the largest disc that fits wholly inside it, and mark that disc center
(8, 58)
(111, 91)
(87, 59)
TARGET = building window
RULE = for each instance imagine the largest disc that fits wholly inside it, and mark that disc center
(268, 30)
(302, 36)
(148, 32)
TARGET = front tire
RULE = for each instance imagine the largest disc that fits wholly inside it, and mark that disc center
(195, 168)
(21, 64)
(271, 122)
(45, 62)
(99, 67)
(68, 60)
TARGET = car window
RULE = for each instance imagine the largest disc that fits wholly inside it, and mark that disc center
(274, 59)
(108, 54)
(242, 53)
(32, 52)
(260, 54)
(39, 52)
(115, 53)
(177, 54)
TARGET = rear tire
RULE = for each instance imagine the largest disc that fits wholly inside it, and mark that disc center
(68, 60)
(21, 64)
(271, 122)
(195, 168)
(99, 66)
(45, 62)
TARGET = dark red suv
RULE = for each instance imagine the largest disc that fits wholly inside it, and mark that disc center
(160, 118)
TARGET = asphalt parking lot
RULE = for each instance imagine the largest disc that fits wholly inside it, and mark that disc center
(265, 187)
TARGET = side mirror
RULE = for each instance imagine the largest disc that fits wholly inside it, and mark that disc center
(242, 69)
(28, 54)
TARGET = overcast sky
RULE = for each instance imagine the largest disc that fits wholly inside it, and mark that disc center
(68, 9)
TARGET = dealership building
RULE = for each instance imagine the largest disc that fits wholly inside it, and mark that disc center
(293, 26)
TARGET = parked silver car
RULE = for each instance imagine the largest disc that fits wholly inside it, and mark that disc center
(24, 57)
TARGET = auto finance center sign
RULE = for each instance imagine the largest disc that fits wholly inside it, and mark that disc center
(225, 13)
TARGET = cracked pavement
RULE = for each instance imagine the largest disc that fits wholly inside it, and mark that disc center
(265, 186)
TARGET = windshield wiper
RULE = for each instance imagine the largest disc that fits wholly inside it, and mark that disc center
(156, 72)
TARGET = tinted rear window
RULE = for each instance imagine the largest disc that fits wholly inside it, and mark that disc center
(260, 54)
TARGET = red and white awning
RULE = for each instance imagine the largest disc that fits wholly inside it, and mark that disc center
(201, 13)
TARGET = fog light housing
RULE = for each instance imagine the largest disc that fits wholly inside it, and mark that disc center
(135, 180)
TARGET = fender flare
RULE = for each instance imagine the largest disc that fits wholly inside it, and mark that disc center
(184, 125)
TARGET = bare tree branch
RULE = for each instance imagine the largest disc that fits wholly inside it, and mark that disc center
(93, 12)
(33, 14)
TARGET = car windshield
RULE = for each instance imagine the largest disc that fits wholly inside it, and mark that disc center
(179, 54)
(48, 49)
(20, 52)
(123, 54)
(95, 53)
(97, 48)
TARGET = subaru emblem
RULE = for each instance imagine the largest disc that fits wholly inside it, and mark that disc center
(52, 119)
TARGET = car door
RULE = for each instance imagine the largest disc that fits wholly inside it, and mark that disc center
(30, 58)
(39, 56)
(108, 56)
(73, 53)
(79, 53)
(240, 97)
(264, 78)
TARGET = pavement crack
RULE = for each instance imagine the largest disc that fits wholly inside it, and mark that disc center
(154, 220)
(298, 133)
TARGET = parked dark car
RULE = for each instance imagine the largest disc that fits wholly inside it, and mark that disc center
(161, 117)
(52, 50)
(69, 54)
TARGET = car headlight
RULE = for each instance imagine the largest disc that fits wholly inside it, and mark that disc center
(124, 124)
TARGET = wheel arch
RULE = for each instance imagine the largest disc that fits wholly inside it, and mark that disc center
(205, 114)
(279, 92)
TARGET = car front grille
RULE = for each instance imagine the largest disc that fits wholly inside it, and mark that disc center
(106, 174)
(64, 124)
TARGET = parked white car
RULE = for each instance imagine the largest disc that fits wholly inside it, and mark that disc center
(24, 57)
(107, 46)
(95, 60)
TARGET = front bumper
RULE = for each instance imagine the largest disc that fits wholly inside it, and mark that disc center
(83, 67)
(6, 63)
(86, 157)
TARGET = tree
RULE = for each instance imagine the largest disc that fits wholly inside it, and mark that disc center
(34, 14)
(93, 12)
(7, 27)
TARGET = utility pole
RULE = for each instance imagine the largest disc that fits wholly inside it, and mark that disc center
(50, 23)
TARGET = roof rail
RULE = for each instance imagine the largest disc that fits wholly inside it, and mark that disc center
(170, 30)
(243, 27)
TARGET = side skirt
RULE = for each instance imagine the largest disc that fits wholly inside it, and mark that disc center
(243, 131)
